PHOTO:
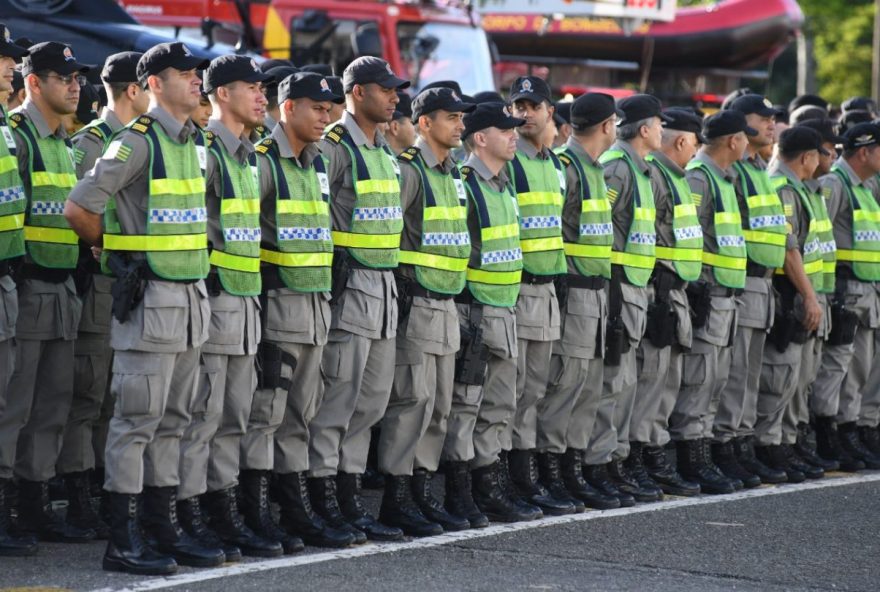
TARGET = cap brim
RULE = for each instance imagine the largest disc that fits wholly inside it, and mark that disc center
(319, 97)
(528, 96)
(665, 118)
(16, 52)
(72, 67)
(559, 119)
(191, 63)
(461, 108)
(391, 81)
(750, 131)
(510, 123)
(766, 112)
(701, 138)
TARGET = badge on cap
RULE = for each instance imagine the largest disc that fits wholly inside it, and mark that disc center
(254, 65)
(865, 139)
(186, 51)
(526, 86)
(455, 96)
(506, 110)
(7, 35)
(325, 87)
(68, 55)
(768, 104)
(388, 69)
(95, 106)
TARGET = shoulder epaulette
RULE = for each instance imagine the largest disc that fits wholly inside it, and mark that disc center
(335, 134)
(142, 124)
(209, 138)
(564, 158)
(260, 129)
(15, 119)
(96, 131)
(408, 154)
(264, 146)
(465, 170)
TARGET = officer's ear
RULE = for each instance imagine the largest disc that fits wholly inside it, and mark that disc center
(32, 84)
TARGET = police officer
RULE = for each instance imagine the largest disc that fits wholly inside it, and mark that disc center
(151, 183)
(12, 246)
(435, 247)
(296, 258)
(209, 448)
(798, 310)
(538, 179)
(273, 107)
(49, 309)
(567, 412)
(401, 132)
(766, 243)
(86, 430)
(711, 298)
(668, 332)
(358, 361)
(484, 396)
(847, 356)
(629, 189)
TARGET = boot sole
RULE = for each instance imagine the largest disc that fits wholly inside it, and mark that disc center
(248, 552)
(118, 565)
(325, 544)
(510, 519)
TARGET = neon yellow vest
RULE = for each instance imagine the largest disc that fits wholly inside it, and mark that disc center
(764, 231)
(686, 254)
(13, 202)
(864, 257)
(811, 252)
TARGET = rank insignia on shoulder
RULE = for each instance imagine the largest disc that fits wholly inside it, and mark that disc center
(465, 171)
(409, 153)
(335, 134)
(263, 147)
(564, 159)
(95, 131)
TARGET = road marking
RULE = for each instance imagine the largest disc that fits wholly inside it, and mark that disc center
(493, 530)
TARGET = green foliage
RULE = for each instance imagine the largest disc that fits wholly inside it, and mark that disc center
(843, 48)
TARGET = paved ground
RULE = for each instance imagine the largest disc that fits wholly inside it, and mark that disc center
(817, 536)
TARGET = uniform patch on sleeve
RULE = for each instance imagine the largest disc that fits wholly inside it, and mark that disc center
(612, 195)
(827, 192)
(788, 209)
(78, 155)
(117, 150)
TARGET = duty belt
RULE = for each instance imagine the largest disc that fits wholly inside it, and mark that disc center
(416, 289)
(725, 292)
(32, 271)
(5, 268)
(593, 282)
(530, 278)
(845, 273)
(674, 280)
(755, 270)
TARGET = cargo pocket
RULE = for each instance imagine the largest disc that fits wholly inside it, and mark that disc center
(720, 323)
(165, 314)
(634, 312)
(207, 398)
(467, 395)
(694, 370)
(582, 324)
(648, 361)
(286, 312)
(267, 409)
(9, 310)
(83, 374)
(425, 322)
(775, 378)
(362, 304)
(102, 301)
(227, 321)
(333, 364)
(137, 385)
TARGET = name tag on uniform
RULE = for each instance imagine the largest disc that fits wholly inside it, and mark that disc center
(203, 157)
(7, 135)
(561, 175)
(324, 183)
(459, 190)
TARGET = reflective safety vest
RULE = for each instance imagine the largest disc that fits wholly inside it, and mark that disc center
(373, 235)
(811, 252)
(539, 186)
(13, 202)
(638, 255)
(591, 254)
(827, 244)
(302, 221)
(727, 257)
(49, 240)
(496, 279)
(98, 128)
(764, 228)
(686, 254)
(864, 257)
(176, 241)
(238, 261)
(442, 256)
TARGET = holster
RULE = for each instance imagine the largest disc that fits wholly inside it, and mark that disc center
(661, 324)
(561, 283)
(844, 324)
(270, 359)
(339, 274)
(472, 359)
(404, 298)
(128, 289)
(616, 337)
(699, 297)
(86, 267)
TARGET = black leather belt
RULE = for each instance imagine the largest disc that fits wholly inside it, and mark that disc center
(724, 291)
(5, 268)
(586, 282)
(417, 290)
(755, 270)
(530, 278)
(32, 271)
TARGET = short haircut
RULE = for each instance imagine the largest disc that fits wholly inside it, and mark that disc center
(628, 131)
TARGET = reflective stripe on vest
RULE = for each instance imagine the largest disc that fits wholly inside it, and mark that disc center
(49, 240)
(638, 256)
(727, 257)
(764, 228)
(496, 279)
(686, 254)
(811, 252)
(591, 254)
(13, 202)
(865, 254)
(539, 185)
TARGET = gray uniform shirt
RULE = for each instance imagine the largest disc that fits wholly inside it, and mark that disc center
(88, 147)
(574, 196)
(664, 203)
(840, 210)
(619, 179)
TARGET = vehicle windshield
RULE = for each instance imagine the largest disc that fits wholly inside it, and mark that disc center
(442, 51)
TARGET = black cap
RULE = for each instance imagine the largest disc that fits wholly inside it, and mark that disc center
(323, 69)
(858, 104)
(851, 118)
(121, 67)
(530, 88)
(488, 96)
(827, 128)
(233, 68)
(367, 69)
(562, 111)
(725, 104)
(861, 134)
(782, 115)
(638, 107)
(592, 108)
(806, 112)
(8, 47)
(278, 73)
(306, 84)
(168, 55)
(799, 139)
(403, 107)
(685, 120)
(17, 81)
(89, 104)
(444, 84)
(489, 115)
(748, 104)
(725, 123)
(801, 100)
(437, 99)
(53, 56)
(274, 63)
(335, 83)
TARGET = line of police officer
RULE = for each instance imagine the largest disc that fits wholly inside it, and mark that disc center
(539, 324)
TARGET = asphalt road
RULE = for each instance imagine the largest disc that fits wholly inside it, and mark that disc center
(817, 536)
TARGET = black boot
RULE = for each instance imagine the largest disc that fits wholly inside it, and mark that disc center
(160, 521)
(550, 476)
(459, 499)
(828, 445)
(524, 474)
(189, 514)
(775, 458)
(11, 546)
(299, 518)
(870, 437)
(37, 518)
(627, 483)
(400, 509)
(849, 441)
(80, 510)
(322, 491)
(573, 479)
(745, 454)
(658, 467)
(634, 464)
(431, 507)
(126, 550)
(510, 489)
(692, 466)
(598, 478)
(805, 451)
(349, 495)
(796, 463)
(491, 498)
(724, 457)
(226, 522)
(254, 485)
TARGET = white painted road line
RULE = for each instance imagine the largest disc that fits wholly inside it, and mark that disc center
(492, 530)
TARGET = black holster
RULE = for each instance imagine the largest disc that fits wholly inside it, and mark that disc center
(404, 298)
(699, 295)
(472, 359)
(662, 321)
(787, 328)
(128, 289)
(340, 272)
(270, 359)
(561, 282)
(616, 336)
(86, 267)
